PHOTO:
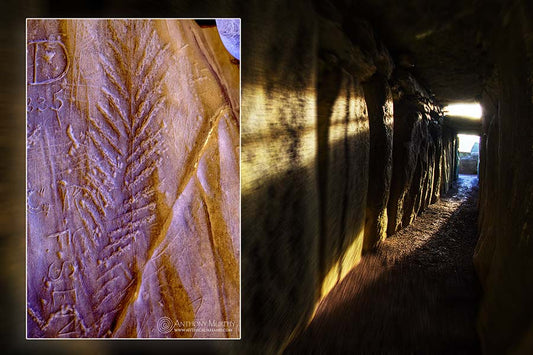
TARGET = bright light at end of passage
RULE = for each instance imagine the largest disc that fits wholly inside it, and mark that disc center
(464, 110)
(467, 141)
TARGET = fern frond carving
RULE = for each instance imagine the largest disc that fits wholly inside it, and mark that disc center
(124, 137)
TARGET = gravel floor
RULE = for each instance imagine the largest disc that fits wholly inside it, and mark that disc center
(415, 294)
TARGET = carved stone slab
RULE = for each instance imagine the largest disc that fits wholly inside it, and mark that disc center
(132, 180)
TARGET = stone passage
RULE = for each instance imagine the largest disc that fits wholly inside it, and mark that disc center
(341, 147)
(417, 293)
(133, 180)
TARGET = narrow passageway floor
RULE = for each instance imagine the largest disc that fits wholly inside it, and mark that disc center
(417, 293)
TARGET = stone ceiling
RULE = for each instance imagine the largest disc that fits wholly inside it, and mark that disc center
(445, 42)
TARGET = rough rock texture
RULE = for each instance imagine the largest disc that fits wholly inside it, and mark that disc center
(307, 141)
(440, 40)
(468, 165)
(423, 150)
(304, 169)
(416, 293)
(379, 101)
(448, 45)
(504, 252)
(230, 34)
(280, 213)
(342, 164)
(449, 158)
(133, 180)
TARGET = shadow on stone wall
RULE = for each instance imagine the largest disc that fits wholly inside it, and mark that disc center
(281, 255)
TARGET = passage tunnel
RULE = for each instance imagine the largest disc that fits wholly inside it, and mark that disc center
(360, 231)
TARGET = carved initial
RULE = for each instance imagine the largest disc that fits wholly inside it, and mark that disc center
(47, 63)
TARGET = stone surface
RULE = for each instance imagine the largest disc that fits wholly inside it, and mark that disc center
(468, 165)
(444, 44)
(307, 142)
(423, 153)
(504, 251)
(342, 157)
(280, 218)
(447, 44)
(419, 284)
(133, 180)
(334, 42)
(304, 169)
(379, 101)
(230, 34)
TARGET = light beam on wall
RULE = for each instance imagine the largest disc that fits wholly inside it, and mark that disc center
(470, 110)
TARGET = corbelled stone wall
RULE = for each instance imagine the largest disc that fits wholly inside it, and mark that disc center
(423, 153)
